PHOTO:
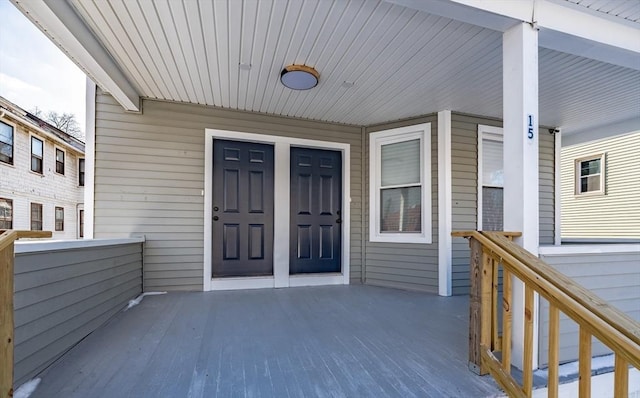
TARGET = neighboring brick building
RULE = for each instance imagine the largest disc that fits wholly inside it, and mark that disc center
(41, 175)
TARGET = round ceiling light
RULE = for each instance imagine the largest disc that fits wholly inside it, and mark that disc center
(299, 77)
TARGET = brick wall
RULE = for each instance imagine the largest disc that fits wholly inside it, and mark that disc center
(22, 186)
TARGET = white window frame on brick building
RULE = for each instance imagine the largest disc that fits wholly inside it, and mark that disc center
(60, 161)
(6, 213)
(6, 144)
(35, 156)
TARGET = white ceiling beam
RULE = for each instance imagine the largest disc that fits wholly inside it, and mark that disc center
(563, 27)
(59, 21)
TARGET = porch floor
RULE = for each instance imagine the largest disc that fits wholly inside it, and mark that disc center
(335, 341)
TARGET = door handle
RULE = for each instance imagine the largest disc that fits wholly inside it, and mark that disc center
(215, 218)
(338, 221)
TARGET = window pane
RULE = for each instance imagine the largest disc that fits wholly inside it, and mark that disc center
(492, 163)
(492, 211)
(6, 214)
(6, 133)
(590, 183)
(590, 167)
(59, 156)
(36, 146)
(59, 219)
(400, 210)
(401, 163)
(36, 217)
(36, 164)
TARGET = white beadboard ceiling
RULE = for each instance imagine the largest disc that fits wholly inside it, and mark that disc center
(402, 62)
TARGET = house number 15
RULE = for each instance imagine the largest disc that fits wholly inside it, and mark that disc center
(530, 127)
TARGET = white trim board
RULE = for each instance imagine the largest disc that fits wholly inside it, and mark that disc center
(445, 259)
(281, 277)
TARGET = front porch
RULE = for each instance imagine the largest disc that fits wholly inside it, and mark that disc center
(335, 341)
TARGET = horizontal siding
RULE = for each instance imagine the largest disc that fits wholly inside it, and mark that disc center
(403, 265)
(618, 285)
(150, 179)
(61, 296)
(464, 190)
(616, 214)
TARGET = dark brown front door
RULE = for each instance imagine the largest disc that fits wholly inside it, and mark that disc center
(242, 209)
(316, 208)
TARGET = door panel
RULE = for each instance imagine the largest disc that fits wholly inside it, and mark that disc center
(242, 209)
(316, 204)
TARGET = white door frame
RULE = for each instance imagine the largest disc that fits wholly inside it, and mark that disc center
(281, 277)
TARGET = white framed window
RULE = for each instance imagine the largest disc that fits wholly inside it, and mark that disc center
(400, 185)
(60, 160)
(590, 175)
(490, 178)
(6, 142)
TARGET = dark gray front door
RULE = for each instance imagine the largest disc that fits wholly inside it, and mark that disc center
(316, 208)
(242, 209)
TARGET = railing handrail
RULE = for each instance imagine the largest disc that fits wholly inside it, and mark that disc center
(594, 316)
(604, 321)
(605, 311)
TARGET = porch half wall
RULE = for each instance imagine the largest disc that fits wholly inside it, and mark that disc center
(149, 180)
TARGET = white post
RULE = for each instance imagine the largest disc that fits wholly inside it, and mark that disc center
(444, 203)
(520, 109)
(89, 159)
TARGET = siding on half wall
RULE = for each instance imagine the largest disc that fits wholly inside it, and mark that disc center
(63, 295)
(464, 189)
(613, 276)
(404, 265)
(150, 179)
(616, 214)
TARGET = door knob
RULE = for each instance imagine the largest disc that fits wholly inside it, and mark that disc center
(215, 218)
(215, 208)
(338, 221)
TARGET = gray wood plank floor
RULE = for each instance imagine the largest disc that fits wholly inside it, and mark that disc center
(336, 341)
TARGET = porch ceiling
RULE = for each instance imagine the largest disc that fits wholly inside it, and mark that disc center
(402, 62)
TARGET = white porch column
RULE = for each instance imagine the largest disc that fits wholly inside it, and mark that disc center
(520, 110)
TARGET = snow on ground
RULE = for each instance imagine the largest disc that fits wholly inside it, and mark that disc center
(25, 390)
(137, 300)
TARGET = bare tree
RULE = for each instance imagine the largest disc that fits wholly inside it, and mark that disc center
(63, 121)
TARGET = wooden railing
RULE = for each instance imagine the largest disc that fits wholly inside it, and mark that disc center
(492, 252)
(6, 305)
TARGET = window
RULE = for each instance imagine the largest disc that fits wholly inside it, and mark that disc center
(590, 175)
(6, 143)
(37, 149)
(81, 216)
(6, 213)
(36, 217)
(81, 172)
(59, 161)
(492, 183)
(59, 218)
(400, 185)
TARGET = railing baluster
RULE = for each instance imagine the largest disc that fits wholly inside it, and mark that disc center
(506, 320)
(554, 331)
(621, 378)
(527, 366)
(584, 363)
(494, 305)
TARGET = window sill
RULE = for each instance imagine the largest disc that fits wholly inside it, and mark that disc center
(400, 238)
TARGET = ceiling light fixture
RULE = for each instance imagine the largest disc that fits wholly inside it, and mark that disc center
(299, 77)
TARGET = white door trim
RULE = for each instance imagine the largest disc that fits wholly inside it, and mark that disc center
(281, 277)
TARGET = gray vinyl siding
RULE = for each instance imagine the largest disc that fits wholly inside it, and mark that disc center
(618, 286)
(150, 178)
(616, 213)
(62, 296)
(404, 265)
(464, 189)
